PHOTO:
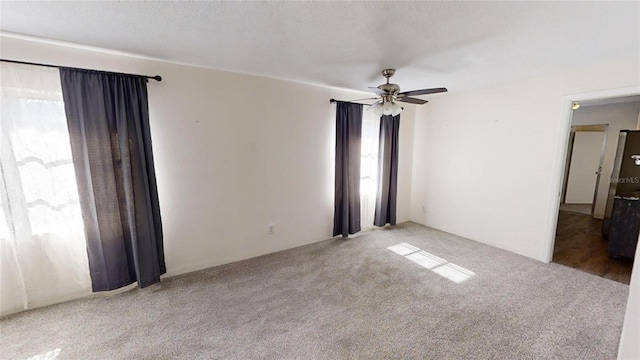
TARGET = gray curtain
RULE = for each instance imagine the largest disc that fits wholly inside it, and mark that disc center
(386, 196)
(346, 218)
(108, 120)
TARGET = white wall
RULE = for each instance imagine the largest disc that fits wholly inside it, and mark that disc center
(630, 338)
(585, 159)
(487, 163)
(619, 117)
(233, 154)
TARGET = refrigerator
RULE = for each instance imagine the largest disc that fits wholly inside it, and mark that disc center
(625, 177)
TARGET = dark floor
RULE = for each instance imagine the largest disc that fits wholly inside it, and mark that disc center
(579, 244)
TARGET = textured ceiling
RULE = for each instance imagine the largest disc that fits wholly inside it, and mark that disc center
(459, 45)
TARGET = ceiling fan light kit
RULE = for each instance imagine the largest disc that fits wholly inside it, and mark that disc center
(386, 108)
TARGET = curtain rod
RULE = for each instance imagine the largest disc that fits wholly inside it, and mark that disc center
(157, 77)
(350, 102)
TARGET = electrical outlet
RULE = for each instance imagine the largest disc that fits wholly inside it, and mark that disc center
(272, 229)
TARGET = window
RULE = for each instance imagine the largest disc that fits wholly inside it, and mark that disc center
(44, 256)
(369, 168)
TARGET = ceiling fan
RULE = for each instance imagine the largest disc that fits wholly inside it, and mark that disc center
(390, 95)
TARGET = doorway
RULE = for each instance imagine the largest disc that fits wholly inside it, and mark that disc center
(590, 152)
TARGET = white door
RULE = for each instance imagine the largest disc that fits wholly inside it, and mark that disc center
(585, 166)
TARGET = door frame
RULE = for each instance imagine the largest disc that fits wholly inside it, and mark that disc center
(562, 145)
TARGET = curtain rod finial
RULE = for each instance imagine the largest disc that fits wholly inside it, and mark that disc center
(332, 100)
(157, 78)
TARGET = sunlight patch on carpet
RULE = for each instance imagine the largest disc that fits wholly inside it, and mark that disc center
(403, 249)
(425, 259)
(434, 263)
(49, 355)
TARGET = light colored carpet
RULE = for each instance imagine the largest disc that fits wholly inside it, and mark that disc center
(343, 299)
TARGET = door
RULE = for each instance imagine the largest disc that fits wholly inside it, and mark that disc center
(585, 166)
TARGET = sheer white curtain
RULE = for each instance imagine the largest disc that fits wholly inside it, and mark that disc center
(369, 168)
(43, 252)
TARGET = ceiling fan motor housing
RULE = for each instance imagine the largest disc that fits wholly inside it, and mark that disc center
(391, 89)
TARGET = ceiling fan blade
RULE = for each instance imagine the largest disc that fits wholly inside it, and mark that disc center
(377, 91)
(371, 98)
(412, 100)
(423, 91)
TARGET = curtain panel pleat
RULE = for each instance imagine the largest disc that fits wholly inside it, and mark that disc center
(108, 121)
(386, 198)
(346, 219)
